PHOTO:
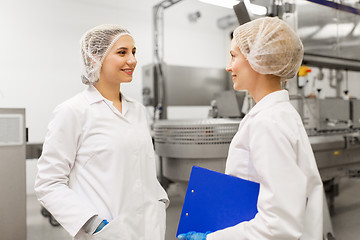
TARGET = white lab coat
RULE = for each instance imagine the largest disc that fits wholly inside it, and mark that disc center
(98, 161)
(272, 148)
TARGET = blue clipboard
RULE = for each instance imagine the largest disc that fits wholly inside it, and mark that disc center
(215, 201)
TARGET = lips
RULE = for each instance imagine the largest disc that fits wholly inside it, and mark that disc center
(128, 71)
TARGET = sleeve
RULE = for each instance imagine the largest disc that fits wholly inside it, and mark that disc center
(282, 195)
(162, 195)
(54, 167)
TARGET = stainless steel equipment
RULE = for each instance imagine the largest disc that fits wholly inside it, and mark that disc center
(321, 115)
(228, 104)
(355, 113)
(170, 85)
(333, 135)
(12, 174)
(330, 40)
(336, 154)
(185, 143)
(164, 85)
(329, 35)
(334, 114)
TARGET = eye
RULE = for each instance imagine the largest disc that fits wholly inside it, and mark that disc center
(134, 52)
(122, 52)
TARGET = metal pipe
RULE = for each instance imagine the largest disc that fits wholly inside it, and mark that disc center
(158, 37)
(337, 6)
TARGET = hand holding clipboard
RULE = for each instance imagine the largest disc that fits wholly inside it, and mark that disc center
(216, 201)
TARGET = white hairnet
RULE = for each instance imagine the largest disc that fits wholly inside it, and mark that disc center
(95, 44)
(270, 46)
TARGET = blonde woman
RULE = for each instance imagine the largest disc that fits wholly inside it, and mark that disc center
(271, 146)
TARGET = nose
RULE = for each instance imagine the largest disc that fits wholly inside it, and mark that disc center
(131, 60)
(228, 68)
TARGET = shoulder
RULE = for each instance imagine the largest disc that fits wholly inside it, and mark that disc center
(281, 118)
(76, 103)
(281, 112)
(72, 108)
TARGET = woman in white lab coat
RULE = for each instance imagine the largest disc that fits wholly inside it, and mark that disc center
(96, 174)
(271, 146)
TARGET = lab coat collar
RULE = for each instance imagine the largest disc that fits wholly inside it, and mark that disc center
(269, 100)
(94, 96)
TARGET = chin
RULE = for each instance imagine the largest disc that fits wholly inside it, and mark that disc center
(237, 88)
(126, 80)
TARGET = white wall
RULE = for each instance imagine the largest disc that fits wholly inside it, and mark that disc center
(39, 62)
(200, 43)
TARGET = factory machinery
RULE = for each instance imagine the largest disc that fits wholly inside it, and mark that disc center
(12, 173)
(333, 127)
(333, 124)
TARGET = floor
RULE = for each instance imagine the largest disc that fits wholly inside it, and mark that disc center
(345, 221)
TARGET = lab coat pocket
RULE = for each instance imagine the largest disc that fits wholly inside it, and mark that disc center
(162, 219)
(114, 230)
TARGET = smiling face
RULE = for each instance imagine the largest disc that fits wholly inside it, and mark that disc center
(119, 64)
(243, 76)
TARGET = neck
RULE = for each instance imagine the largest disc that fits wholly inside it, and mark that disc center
(110, 92)
(265, 84)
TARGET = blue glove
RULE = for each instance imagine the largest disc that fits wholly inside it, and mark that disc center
(193, 236)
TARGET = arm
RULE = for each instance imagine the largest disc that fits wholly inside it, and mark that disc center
(162, 195)
(282, 196)
(54, 168)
